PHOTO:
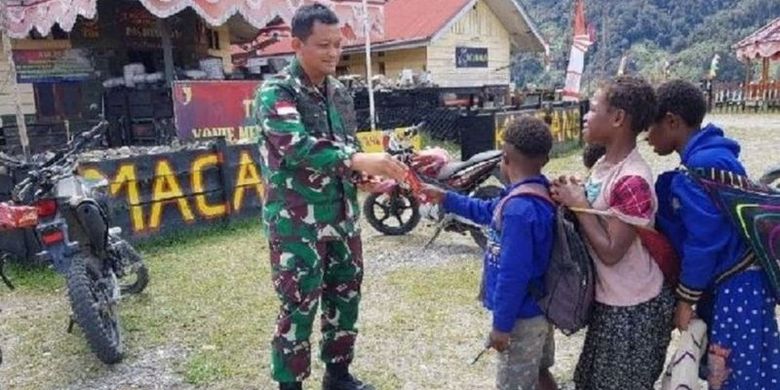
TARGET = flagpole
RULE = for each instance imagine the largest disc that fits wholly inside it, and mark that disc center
(369, 76)
(24, 140)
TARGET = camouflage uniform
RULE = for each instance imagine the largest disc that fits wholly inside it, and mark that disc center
(531, 349)
(310, 216)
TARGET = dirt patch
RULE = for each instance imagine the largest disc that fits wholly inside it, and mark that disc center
(154, 369)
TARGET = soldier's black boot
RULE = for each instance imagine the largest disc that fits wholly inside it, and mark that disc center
(337, 377)
(290, 386)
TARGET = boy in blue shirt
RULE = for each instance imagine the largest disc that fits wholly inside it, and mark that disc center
(520, 243)
(719, 274)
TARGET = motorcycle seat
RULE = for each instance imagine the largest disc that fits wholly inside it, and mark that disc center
(454, 167)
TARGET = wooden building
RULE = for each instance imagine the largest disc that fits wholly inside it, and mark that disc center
(459, 43)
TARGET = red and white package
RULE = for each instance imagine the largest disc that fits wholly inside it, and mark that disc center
(17, 217)
(430, 161)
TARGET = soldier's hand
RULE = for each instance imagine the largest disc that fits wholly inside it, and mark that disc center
(377, 186)
(379, 164)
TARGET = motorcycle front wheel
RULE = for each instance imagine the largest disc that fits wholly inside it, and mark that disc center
(136, 276)
(94, 306)
(393, 214)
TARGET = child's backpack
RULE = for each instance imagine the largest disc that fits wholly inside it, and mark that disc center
(753, 208)
(569, 283)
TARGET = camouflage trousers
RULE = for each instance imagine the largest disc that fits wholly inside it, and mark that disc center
(531, 348)
(304, 273)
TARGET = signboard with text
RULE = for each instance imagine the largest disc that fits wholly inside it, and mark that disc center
(204, 109)
(40, 66)
(471, 57)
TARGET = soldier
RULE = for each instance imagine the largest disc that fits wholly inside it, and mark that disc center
(310, 159)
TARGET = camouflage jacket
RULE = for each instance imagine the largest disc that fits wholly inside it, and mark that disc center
(306, 142)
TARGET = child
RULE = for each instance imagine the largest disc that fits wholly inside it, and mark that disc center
(517, 257)
(631, 323)
(739, 311)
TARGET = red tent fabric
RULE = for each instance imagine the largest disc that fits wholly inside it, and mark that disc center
(19, 17)
(764, 43)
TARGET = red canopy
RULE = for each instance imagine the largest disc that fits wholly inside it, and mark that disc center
(19, 17)
(764, 43)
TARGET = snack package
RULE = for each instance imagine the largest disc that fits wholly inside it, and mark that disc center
(413, 181)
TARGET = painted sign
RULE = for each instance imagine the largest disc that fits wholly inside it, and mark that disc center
(471, 57)
(167, 192)
(140, 29)
(565, 124)
(40, 66)
(378, 141)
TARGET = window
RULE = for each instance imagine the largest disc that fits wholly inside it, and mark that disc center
(459, 27)
(58, 100)
(382, 68)
(213, 39)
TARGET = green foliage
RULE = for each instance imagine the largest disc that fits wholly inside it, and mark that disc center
(686, 33)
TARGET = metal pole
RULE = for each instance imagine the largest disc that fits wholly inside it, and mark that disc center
(167, 46)
(20, 124)
(369, 76)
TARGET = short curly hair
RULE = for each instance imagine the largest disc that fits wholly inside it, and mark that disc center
(636, 97)
(530, 136)
(682, 98)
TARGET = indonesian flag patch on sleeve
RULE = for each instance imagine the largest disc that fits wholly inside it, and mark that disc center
(285, 108)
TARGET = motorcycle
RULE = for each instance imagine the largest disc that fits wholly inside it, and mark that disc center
(771, 177)
(61, 219)
(399, 204)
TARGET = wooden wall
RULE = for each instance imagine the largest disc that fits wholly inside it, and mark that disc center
(479, 28)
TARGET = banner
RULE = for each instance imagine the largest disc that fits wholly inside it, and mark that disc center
(205, 109)
(584, 37)
(40, 66)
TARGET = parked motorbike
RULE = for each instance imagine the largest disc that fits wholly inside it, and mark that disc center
(398, 211)
(66, 217)
(772, 177)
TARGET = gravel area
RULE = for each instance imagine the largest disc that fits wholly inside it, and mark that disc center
(153, 370)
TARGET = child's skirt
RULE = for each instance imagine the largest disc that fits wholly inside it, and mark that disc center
(625, 347)
(741, 318)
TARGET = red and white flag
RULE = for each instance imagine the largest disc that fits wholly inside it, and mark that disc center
(584, 36)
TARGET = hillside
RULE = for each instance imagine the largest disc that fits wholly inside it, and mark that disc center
(686, 33)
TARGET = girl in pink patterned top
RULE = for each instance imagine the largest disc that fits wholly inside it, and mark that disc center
(631, 322)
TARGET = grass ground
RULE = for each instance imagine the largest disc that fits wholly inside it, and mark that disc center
(206, 317)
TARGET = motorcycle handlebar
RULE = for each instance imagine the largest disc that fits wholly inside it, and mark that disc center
(25, 191)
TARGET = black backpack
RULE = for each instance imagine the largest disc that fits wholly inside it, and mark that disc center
(569, 283)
